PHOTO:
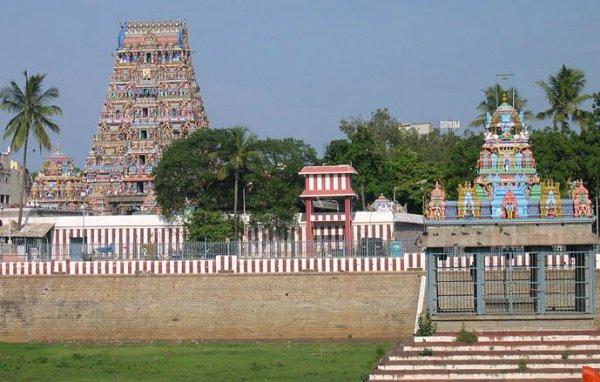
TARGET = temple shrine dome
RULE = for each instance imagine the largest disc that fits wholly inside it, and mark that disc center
(506, 121)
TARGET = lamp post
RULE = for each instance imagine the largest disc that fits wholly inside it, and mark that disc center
(83, 233)
(394, 196)
(421, 189)
(249, 187)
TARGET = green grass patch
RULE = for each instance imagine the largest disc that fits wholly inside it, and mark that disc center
(187, 362)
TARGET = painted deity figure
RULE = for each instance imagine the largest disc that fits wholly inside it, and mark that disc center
(506, 162)
(468, 206)
(582, 205)
(551, 206)
(509, 206)
(509, 209)
(518, 160)
(436, 209)
(494, 160)
(486, 159)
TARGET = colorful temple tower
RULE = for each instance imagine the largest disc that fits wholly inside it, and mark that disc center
(510, 244)
(507, 185)
(59, 185)
(152, 99)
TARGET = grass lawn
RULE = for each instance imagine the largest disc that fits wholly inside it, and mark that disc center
(189, 362)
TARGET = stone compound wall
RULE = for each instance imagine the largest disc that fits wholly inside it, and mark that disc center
(305, 306)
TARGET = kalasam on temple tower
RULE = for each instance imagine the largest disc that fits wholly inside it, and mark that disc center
(152, 99)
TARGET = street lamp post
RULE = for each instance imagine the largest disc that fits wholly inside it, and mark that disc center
(83, 233)
(421, 189)
(394, 192)
(248, 186)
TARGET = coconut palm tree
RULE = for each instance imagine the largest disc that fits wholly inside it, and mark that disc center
(241, 154)
(564, 92)
(31, 115)
(491, 100)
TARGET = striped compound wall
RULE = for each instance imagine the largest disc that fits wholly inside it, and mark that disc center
(221, 264)
(233, 264)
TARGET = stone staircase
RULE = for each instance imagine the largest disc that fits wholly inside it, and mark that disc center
(549, 355)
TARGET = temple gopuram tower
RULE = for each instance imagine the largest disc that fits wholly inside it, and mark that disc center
(511, 244)
(59, 185)
(152, 99)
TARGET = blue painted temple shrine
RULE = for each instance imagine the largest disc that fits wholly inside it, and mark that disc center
(512, 243)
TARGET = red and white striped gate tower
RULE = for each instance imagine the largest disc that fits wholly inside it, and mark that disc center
(327, 183)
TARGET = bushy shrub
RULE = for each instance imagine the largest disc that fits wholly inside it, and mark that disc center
(425, 326)
(467, 336)
(426, 352)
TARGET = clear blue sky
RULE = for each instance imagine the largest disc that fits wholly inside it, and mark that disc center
(295, 68)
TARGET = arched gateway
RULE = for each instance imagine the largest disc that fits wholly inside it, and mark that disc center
(510, 244)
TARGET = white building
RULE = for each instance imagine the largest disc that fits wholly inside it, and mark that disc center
(422, 128)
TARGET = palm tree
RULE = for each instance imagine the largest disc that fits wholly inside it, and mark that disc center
(240, 156)
(32, 115)
(564, 92)
(491, 100)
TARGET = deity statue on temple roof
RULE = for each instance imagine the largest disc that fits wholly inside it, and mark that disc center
(436, 209)
(582, 205)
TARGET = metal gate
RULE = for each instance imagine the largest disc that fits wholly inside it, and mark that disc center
(511, 281)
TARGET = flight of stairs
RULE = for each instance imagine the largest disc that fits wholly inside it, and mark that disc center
(513, 355)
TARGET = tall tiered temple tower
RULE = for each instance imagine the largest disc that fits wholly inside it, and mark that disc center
(152, 99)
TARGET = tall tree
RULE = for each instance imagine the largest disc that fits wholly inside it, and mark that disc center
(32, 115)
(276, 184)
(241, 155)
(186, 175)
(564, 92)
(491, 100)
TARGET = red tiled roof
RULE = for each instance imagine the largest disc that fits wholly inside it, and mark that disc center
(339, 169)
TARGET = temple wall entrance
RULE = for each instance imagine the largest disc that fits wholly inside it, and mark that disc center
(511, 281)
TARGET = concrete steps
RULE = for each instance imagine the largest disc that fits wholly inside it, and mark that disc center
(508, 355)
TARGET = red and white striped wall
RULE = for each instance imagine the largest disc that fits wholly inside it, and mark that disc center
(235, 265)
(125, 240)
(221, 264)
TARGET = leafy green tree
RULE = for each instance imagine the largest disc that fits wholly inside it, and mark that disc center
(202, 225)
(410, 178)
(366, 154)
(32, 115)
(199, 172)
(461, 163)
(491, 100)
(564, 92)
(275, 183)
(589, 149)
(188, 173)
(557, 155)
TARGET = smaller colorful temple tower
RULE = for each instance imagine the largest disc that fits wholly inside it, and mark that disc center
(331, 183)
(59, 185)
(510, 244)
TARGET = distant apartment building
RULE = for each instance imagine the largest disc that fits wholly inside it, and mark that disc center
(10, 183)
(423, 128)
